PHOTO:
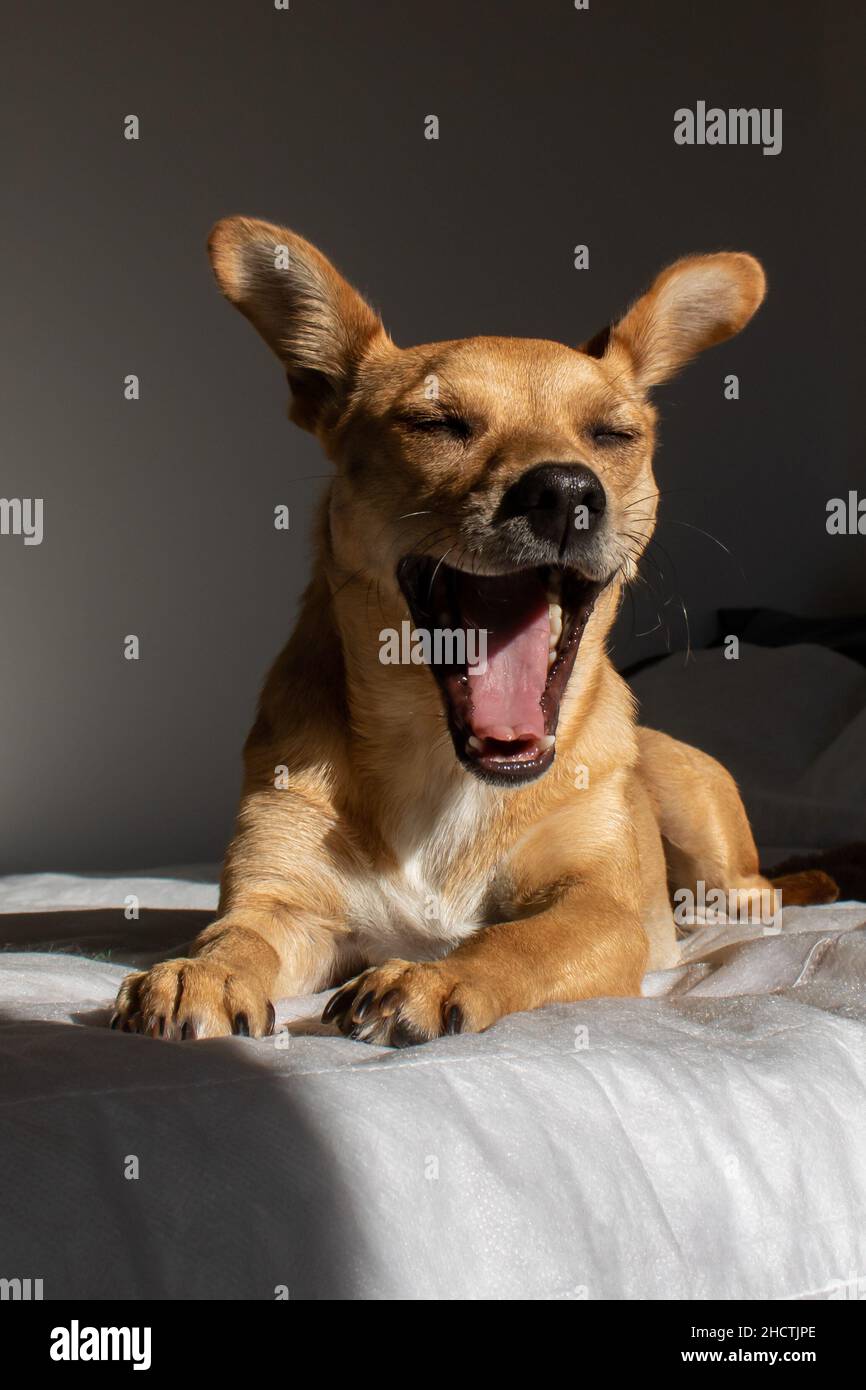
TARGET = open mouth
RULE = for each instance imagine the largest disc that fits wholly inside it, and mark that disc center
(502, 683)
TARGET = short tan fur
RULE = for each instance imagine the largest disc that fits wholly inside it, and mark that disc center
(451, 884)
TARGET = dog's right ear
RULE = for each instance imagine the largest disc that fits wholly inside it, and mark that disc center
(319, 327)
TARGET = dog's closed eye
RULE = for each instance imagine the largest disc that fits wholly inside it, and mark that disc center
(612, 434)
(440, 423)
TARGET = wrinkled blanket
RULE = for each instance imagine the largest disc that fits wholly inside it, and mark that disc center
(706, 1141)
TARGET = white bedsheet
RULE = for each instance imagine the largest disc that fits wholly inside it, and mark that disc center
(706, 1141)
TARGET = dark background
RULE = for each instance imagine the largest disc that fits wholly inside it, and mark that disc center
(556, 129)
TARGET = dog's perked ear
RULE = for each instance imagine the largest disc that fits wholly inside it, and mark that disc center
(694, 304)
(319, 327)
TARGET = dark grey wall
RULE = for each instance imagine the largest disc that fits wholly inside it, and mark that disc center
(556, 129)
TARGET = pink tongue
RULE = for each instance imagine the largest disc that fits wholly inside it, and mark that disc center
(506, 696)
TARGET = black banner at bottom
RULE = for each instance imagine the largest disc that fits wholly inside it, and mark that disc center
(190, 1338)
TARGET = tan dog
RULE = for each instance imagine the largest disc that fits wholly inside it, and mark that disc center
(475, 841)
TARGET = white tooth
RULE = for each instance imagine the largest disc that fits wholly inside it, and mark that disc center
(551, 656)
(474, 742)
(547, 742)
(554, 614)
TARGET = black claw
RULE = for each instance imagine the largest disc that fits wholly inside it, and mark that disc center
(114, 1021)
(454, 1019)
(337, 1005)
(162, 1025)
(188, 1031)
(362, 1008)
(241, 1026)
(272, 1019)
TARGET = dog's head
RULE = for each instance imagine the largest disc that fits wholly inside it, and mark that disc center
(494, 485)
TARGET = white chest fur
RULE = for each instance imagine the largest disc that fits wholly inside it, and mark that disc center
(422, 908)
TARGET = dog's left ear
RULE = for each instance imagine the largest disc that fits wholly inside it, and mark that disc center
(695, 303)
(318, 326)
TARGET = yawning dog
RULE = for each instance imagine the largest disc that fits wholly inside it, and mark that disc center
(458, 841)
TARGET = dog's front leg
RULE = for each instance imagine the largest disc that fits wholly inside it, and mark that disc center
(280, 932)
(588, 943)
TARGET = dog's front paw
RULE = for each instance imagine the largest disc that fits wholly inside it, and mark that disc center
(401, 1003)
(192, 999)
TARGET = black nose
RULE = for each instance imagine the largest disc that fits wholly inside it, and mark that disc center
(560, 501)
